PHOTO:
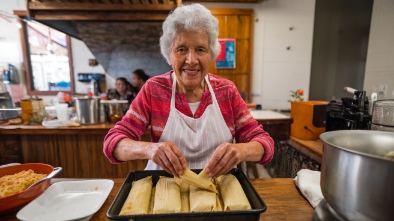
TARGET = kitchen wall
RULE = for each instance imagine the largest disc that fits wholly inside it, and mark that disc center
(276, 70)
(282, 48)
(380, 59)
(340, 44)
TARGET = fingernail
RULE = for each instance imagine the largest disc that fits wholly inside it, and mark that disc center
(207, 170)
(180, 172)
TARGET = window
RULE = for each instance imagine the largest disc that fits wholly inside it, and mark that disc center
(47, 58)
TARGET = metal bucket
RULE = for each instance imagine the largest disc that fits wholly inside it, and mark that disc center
(88, 109)
(357, 181)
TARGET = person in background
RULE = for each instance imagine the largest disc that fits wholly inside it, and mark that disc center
(122, 91)
(194, 115)
(139, 77)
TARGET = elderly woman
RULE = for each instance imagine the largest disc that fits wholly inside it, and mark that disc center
(194, 115)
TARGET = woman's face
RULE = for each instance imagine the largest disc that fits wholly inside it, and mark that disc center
(136, 81)
(120, 86)
(190, 57)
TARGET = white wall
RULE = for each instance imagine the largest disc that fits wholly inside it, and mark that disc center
(275, 69)
(380, 58)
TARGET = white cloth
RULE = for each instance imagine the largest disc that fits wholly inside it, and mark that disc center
(308, 181)
(197, 138)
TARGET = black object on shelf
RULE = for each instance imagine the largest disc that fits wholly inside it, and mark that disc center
(349, 113)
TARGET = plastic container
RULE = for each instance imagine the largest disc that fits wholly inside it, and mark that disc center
(257, 204)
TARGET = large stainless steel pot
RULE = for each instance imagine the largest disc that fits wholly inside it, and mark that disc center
(357, 181)
(88, 109)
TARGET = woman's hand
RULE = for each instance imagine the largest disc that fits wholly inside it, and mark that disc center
(225, 157)
(169, 157)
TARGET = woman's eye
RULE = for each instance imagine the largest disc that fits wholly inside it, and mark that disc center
(201, 50)
(181, 50)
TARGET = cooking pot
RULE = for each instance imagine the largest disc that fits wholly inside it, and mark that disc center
(357, 181)
(88, 109)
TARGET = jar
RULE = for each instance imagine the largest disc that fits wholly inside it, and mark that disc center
(114, 109)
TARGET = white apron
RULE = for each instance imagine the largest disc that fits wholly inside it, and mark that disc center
(196, 138)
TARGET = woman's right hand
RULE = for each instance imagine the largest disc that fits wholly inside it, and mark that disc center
(169, 157)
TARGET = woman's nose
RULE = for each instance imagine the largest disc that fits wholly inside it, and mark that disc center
(191, 58)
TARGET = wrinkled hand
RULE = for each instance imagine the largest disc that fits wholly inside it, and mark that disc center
(169, 157)
(225, 157)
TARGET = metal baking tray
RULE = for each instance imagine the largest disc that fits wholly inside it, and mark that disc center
(257, 204)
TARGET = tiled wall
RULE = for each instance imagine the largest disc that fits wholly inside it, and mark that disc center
(380, 59)
(122, 47)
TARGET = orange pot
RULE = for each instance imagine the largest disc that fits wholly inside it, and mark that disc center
(303, 113)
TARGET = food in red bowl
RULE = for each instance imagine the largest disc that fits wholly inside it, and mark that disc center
(16, 201)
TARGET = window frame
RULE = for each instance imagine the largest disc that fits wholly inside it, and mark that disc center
(27, 62)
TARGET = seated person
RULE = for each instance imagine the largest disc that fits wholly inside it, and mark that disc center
(122, 91)
(139, 77)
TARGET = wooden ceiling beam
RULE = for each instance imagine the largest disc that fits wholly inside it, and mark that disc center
(100, 16)
(60, 6)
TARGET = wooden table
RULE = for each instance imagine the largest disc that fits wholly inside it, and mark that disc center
(283, 200)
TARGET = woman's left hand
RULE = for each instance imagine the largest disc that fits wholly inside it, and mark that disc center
(225, 157)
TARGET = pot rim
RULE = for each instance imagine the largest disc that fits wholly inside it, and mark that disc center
(326, 135)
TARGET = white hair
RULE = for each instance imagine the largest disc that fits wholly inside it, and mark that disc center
(191, 17)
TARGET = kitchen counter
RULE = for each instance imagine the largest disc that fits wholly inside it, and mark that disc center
(78, 150)
(283, 200)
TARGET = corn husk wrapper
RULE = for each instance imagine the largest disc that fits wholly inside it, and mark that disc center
(202, 180)
(167, 196)
(185, 191)
(202, 200)
(138, 200)
(152, 200)
(219, 201)
(233, 196)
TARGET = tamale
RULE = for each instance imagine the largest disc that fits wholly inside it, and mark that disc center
(167, 196)
(233, 196)
(152, 200)
(183, 185)
(185, 207)
(137, 201)
(202, 200)
(219, 201)
(201, 181)
(185, 191)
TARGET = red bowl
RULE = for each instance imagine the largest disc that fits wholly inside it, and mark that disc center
(16, 201)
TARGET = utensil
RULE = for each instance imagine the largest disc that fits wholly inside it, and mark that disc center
(55, 171)
(356, 178)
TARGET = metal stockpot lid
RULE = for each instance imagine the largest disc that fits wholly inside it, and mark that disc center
(87, 98)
